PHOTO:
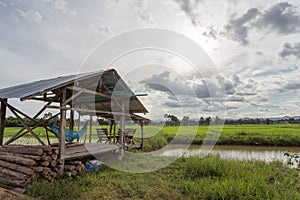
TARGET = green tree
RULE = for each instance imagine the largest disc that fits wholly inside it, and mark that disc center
(185, 120)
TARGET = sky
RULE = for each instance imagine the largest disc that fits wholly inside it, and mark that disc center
(241, 58)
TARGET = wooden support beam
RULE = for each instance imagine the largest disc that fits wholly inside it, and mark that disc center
(91, 111)
(142, 134)
(84, 90)
(12, 139)
(2, 119)
(17, 135)
(25, 125)
(72, 98)
(62, 129)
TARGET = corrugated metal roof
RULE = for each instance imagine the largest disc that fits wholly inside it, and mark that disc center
(27, 89)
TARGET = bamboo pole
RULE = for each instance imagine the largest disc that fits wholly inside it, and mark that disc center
(2, 119)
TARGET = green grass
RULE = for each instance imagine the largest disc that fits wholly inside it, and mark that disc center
(187, 178)
(275, 135)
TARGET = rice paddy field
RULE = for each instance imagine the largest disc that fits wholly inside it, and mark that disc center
(262, 135)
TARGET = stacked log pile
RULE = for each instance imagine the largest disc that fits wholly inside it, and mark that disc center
(19, 165)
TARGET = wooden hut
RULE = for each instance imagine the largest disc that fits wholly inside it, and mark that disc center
(102, 94)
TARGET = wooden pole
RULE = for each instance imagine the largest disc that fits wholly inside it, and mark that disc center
(91, 126)
(114, 131)
(122, 123)
(110, 126)
(78, 126)
(71, 126)
(142, 132)
(2, 120)
(62, 129)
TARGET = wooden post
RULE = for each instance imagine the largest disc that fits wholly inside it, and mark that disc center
(142, 132)
(78, 126)
(62, 128)
(71, 126)
(122, 123)
(110, 126)
(114, 131)
(91, 126)
(2, 120)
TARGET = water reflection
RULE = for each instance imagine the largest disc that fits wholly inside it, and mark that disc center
(266, 154)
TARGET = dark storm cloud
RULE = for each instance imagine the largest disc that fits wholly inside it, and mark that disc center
(280, 17)
(290, 50)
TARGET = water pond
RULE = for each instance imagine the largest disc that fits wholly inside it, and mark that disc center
(235, 152)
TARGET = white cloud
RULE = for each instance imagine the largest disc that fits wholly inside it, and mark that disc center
(59, 4)
(29, 16)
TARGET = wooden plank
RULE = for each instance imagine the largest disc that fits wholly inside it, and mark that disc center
(81, 151)
(2, 119)
(62, 130)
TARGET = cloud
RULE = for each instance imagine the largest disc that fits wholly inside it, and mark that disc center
(173, 104)
(143, 12)
(290, 50)
(29, 16)
(3, 4)
(237, 28)
(189, 7)
(59, 4)
(215, 87)
(235, 99)
(264, 109)
(293, 85)
(280, 17)
(211, 33)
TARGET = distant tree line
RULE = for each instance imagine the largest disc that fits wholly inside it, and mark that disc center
(14, 122)
(172, 120)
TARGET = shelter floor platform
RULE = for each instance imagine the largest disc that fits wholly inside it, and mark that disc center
(89, 149)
